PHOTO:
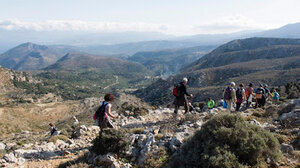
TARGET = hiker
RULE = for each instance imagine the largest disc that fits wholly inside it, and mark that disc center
(210, 103)
(53, 130)
(267, 92)
(229, 96)
(76, 122)
(260, 96)
(103, 113)
(249, 95)
(275, 96)
(240, 96)
(181, 95)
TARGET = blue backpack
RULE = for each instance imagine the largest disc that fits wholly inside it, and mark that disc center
(276, 96)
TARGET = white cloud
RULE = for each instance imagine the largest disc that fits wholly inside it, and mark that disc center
(78, 25)
(229, 24)
(226, 24)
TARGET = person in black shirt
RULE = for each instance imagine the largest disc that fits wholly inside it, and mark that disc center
(181, 99)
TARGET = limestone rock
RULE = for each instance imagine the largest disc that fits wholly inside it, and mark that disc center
(286, 148)
(2, 146)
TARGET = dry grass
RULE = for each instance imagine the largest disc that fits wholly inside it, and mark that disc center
(137, 130)
(55, 138)
(158, 137)
(33, 117)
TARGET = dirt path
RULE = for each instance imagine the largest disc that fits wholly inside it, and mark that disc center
(117, 82)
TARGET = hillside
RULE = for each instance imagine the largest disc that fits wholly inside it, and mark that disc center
(274, 63)
(9, 76)
(248, 49)
(287, 31)
(82, 61)
(168, 62)
(30, 56)
(80, 75)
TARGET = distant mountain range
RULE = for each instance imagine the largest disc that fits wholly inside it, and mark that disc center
(132, 42)
(259, 60)
(168, 62)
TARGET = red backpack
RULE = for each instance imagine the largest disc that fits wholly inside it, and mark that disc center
(176, 90)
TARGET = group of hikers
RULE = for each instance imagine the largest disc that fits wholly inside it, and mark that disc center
(232, 97)
(237, 96)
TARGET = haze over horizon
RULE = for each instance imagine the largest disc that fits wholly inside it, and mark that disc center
(172, 17)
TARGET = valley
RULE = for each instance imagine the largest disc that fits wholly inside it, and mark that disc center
(43, 84)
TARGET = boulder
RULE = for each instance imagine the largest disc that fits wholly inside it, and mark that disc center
(104, 160)
(80, 131)
(10, 158)
(30, 154)
(2, 146)
(286, 148)
(176, 141)
(10, 146)
(292, 118)
(61, 144)
(296, 143)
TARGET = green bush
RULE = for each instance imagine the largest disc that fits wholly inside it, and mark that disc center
(228, 141)
(155, 159)
(134, 109)
(111, 140)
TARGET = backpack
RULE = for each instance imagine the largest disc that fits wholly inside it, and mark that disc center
(248, 91)
(176, 90)
(100, 113)
(53, 130)
(276, 96)
(239, 93)
(227, 94)
(259, 93)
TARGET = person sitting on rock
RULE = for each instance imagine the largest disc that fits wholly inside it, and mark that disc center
(53, 130)
(181, 98)
(103, 113)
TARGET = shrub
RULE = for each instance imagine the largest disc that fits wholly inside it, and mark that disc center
(228, 141)
(111, 140)
(137, 130)
(271, 111)
(282, 138)
(155, 159)
(199, 104)
(134, 109)
(55, 138)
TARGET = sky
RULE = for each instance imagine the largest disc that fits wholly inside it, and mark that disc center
(174, 17)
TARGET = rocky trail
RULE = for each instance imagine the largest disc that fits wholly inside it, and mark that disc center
(160, 128)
